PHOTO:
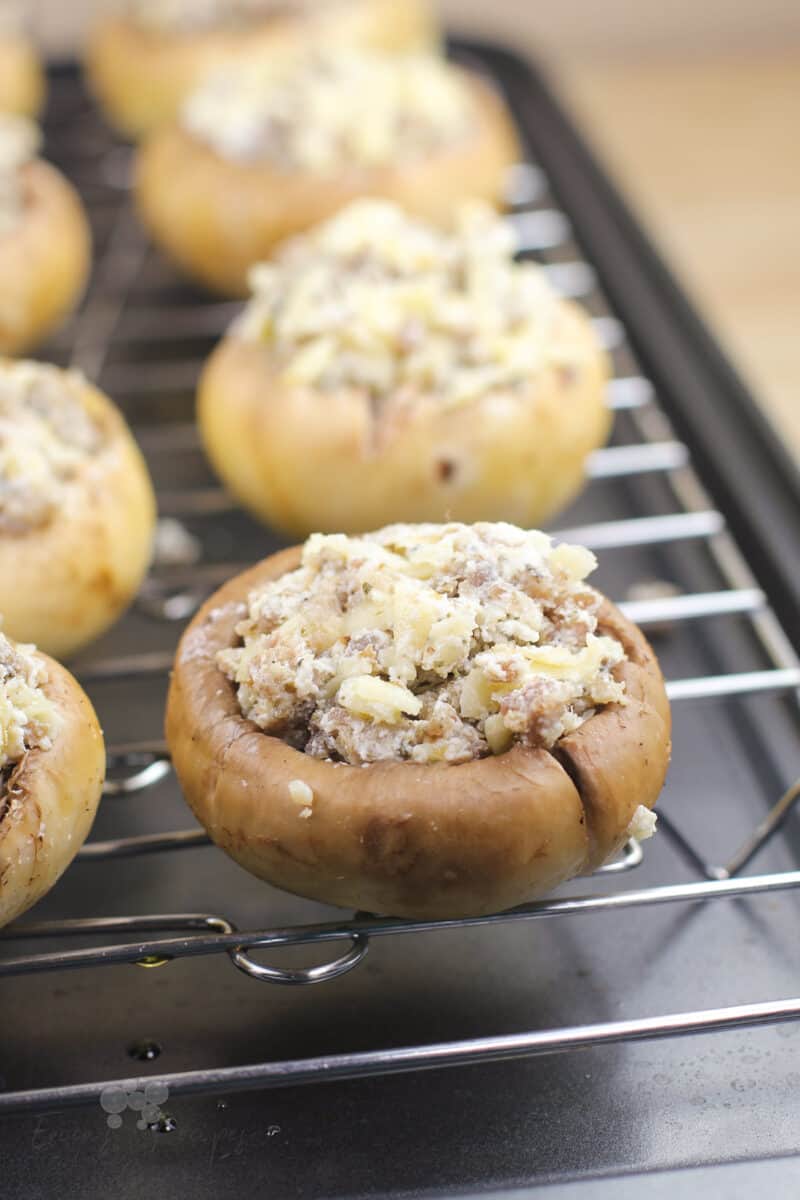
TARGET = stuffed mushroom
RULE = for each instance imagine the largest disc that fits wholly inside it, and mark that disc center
(265, 151)
(142, 62)
(22, 86)
(77, 510)
(45, 243)
(386, 370)
(52, 764)
(428, 721)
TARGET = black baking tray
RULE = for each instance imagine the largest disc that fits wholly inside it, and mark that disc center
(700, 1116)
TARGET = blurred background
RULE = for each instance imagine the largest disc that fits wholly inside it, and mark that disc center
(695, 107)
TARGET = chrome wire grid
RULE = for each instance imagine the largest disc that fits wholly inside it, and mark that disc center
(140, 336)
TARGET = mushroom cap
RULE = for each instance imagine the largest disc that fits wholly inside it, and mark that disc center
(62, 584)
(44, 261)
(140, 77)
(22, 80)
(423, 841)
(49, 802)
(305, 461)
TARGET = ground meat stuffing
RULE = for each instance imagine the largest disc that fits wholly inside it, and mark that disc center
(425, 643)
(46, 435)
(19, 143)
(384, 303)
(331, 109)
(28, 719)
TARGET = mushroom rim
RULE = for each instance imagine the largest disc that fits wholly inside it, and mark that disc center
(41, 789)
(67, 698)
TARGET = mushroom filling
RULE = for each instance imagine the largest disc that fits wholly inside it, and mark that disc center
(377, 301)
(28, 719)
(194, 16)
(19, 143)
(46, 437)
(331, 110)
(425, 643)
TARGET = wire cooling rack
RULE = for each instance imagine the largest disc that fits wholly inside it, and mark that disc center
(143, 335)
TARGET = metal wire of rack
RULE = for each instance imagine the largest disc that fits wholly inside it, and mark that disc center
(155, 323)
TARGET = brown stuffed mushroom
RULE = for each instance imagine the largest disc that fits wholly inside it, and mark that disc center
(52, 764)
(428, 721)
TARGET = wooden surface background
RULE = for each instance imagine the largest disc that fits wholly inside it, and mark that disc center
(696, 109)
(708, 149)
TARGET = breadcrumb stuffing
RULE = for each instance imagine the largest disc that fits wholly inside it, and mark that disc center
(46, 436)
(175, 545)
(331, 109)
(377, 300)
(28, 719)
(20, 139)
(643, 824)
(425, 643)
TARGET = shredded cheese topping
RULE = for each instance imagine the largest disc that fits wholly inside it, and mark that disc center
(193, 16)
(20, 140)
(380, 302)
(46, 436)
(425, 643)
(28, 719)
(331, 109)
